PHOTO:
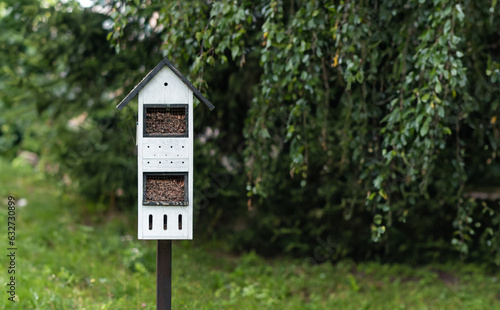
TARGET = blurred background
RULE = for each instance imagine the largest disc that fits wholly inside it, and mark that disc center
(343, 133)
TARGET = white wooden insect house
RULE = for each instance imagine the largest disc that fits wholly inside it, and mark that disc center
(165, 153)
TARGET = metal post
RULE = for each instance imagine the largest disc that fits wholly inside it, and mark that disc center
(164, 275)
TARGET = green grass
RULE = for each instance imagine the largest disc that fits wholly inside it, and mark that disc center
(64, 261)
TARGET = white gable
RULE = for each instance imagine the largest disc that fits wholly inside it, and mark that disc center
(155, 90)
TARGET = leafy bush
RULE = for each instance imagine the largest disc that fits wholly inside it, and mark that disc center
(362, 117)
(369, 127)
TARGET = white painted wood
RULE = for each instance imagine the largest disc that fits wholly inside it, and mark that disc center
(169, 154)
(189, 221)
(156, 92)
(166, 147)
(173, 232)
(165, 165)
(140, 126)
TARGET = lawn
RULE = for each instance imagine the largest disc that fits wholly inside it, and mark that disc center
(66, 259)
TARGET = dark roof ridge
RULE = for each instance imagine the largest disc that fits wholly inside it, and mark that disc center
(150, 76)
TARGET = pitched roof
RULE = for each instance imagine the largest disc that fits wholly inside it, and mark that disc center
(152, 73)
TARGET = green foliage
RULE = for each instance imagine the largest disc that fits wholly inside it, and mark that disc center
(60, 77)
(369, 124)
(363, 115)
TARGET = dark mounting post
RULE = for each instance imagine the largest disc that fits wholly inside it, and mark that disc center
(164, 275)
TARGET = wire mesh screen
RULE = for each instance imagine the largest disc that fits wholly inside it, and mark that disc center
(165, 190)
(166, 121)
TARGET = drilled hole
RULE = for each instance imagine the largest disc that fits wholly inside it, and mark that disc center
(180, 221)
(166, 84)
(150, 222)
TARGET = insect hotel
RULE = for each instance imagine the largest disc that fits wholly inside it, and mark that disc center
(165, 153)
